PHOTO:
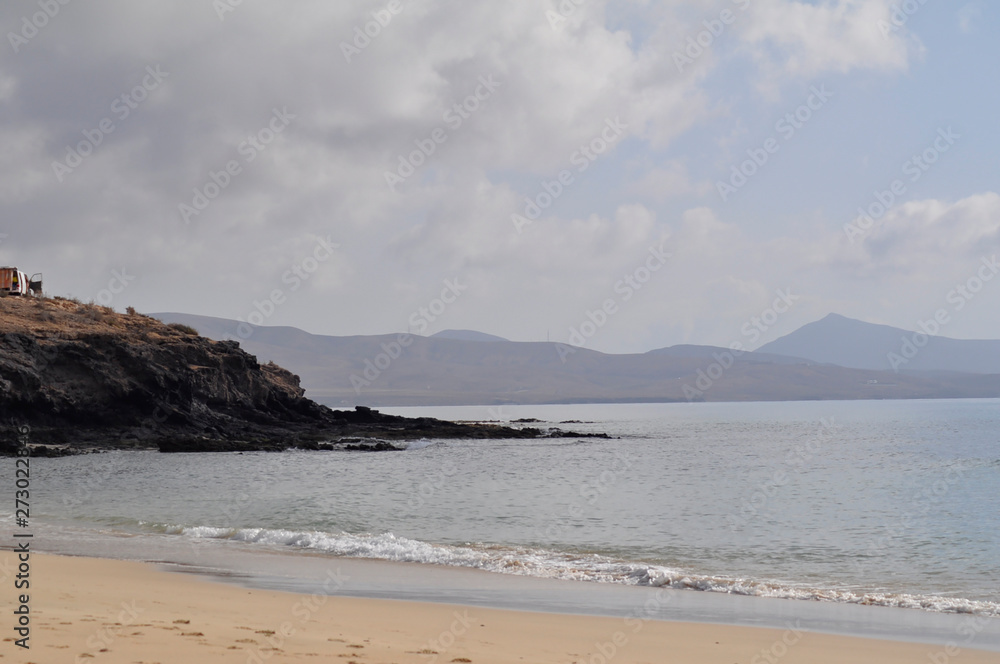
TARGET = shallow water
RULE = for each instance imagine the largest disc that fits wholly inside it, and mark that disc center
(891, 502)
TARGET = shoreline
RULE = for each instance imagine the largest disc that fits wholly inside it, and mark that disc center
(258, 560)
(124, 611)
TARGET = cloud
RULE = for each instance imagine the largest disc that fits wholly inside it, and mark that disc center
(805, 40)
(722, 276)
(666, 181)
(969, 15)
(351, 120)
(919, 239)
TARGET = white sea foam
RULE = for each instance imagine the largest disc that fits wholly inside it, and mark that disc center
(555, 565)
(421, 444)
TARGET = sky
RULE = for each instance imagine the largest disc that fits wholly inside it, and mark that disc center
(623, 174)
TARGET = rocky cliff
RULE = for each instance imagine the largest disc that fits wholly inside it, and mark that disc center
(83, 376)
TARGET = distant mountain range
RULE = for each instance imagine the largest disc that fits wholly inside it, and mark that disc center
(466, 335)
(858, 345)
(835, 358)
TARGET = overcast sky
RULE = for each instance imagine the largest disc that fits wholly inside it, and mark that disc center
(688, 161)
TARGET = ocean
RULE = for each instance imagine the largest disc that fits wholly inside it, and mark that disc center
(891, 503)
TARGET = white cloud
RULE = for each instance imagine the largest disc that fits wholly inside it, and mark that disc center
(324, 174)
(919, 239)
(805, 40)
(969, 15)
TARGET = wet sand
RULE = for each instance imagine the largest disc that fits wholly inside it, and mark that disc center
(95, 610)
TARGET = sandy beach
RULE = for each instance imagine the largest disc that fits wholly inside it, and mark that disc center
(95, 610)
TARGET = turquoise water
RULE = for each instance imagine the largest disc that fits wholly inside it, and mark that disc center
(890, 502)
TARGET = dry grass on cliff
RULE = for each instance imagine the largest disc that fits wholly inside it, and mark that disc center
(70, 318)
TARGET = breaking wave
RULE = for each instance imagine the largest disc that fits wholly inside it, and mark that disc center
(556, 565)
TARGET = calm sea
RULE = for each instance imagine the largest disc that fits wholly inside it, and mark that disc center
(886, 502)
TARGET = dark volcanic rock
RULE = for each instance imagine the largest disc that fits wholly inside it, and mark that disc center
(373, 447)
(83, 376)
(180, 445)
(559, 433)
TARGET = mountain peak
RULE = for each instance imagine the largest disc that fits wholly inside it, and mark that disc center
(466, 335)
(837, 339)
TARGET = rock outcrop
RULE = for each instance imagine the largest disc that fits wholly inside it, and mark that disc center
(82, 376)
